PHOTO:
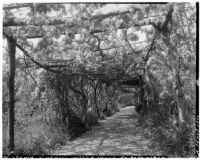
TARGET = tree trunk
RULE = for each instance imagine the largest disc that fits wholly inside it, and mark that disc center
(180, 100)
(11, 88)
(95, 98)
(179, 91)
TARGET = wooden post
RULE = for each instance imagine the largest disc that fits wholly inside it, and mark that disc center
(11, 88)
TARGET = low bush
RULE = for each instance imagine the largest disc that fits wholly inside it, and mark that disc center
(167, 137)
(35, 138)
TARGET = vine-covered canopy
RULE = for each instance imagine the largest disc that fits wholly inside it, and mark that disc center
(86, 38)
(88, 55)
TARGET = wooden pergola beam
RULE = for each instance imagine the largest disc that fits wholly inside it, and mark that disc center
(17, 6)
(39, 35)
(19, 22)
(16, 22)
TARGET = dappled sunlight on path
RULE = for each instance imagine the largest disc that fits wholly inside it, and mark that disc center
(116, 135)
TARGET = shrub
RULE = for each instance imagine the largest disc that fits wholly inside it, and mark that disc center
(167, 137)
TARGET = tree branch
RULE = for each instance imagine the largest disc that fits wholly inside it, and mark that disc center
(28, 71)
(127, 41)
(150, 48)
(98, 46)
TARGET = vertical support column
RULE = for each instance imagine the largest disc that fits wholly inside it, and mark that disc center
(11, 88)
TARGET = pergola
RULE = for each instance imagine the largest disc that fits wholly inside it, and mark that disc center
(8, 23)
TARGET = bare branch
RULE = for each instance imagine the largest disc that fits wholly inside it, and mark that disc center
(98, 46)
(28, 71)
(150, 48)
(127, 41)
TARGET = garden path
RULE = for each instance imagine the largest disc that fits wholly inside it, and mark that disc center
(120, 134)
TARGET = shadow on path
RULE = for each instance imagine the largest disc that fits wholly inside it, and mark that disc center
(116, 135)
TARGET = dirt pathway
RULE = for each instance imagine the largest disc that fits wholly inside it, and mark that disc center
(116, 135)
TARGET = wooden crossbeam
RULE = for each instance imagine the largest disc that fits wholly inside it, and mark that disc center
(17, 6)
(12, 21)
(18, 22)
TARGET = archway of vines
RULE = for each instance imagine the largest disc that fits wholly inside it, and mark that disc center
(81, 56)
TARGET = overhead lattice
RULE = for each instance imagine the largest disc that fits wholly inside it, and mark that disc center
(87, 56)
